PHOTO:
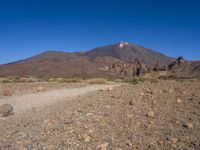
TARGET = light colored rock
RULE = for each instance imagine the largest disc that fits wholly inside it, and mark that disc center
(173, 140)
(189, 125)
(150, 114)
(110, 89)
(179, 100)
(90, 131)
(142, 94)
(40, 89)
(6, 110)
(87, 138)
(102, 146)
(7, 92)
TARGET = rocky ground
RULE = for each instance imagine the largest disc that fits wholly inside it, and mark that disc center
(150, 115)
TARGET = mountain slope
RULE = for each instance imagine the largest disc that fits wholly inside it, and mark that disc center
(83, 64)
(129, 53)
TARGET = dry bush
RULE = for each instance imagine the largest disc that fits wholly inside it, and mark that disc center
(2, 80)
(68, 80)
(51, 79)
(32, 79)
(96, 81)
(40, 89)
(5, 80)
(119, 80)
(73, 80)
(29, 79)
(22, 79)
(59, 80)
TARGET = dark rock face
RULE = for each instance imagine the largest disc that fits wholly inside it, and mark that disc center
(177, 63)
(127, 70)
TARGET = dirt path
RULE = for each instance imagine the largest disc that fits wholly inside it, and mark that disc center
(39, 100)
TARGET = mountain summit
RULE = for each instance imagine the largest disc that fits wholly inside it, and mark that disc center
(129, 53)
(84, 64)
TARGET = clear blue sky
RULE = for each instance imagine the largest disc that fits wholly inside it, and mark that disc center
(29, 27)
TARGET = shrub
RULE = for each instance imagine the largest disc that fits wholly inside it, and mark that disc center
(51, 80)
(65, 80)
(119, 80)
(72, 80)
(96, 81)
(162, 77)
(59, 80)
(32, 79)
(29, 79)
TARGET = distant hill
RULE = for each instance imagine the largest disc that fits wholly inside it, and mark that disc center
(92, 63)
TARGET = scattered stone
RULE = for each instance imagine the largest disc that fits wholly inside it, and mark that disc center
(160, 142)
(149, 91)
(173, 140)
(6, 110)
(7, 92)
(173, 145)
(129, 116)
(110, 89)
(183, 92)
(129, 144)
(189, 125)
(131, 102)
(142, 94)
(154, 102)
(150, 114)
(190, 98)
(102, 146)
(179, 100)
(90, 131)
(87, 138)
(107, 106)
(40, 89)
(151, 122)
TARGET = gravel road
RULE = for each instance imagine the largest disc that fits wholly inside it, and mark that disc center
(39, 100)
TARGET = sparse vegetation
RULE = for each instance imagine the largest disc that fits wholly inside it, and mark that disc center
(10, 79)
(16, 79)
(65, 80)
(29, 79)
(134, 80)
(96, 81)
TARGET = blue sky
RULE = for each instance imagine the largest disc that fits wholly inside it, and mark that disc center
(29, 27)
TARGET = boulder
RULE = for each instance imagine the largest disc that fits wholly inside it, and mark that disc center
(6, 110)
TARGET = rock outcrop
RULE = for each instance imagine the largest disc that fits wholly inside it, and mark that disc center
(185, 69)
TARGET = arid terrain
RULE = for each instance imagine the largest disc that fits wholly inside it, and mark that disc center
(153, 114)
